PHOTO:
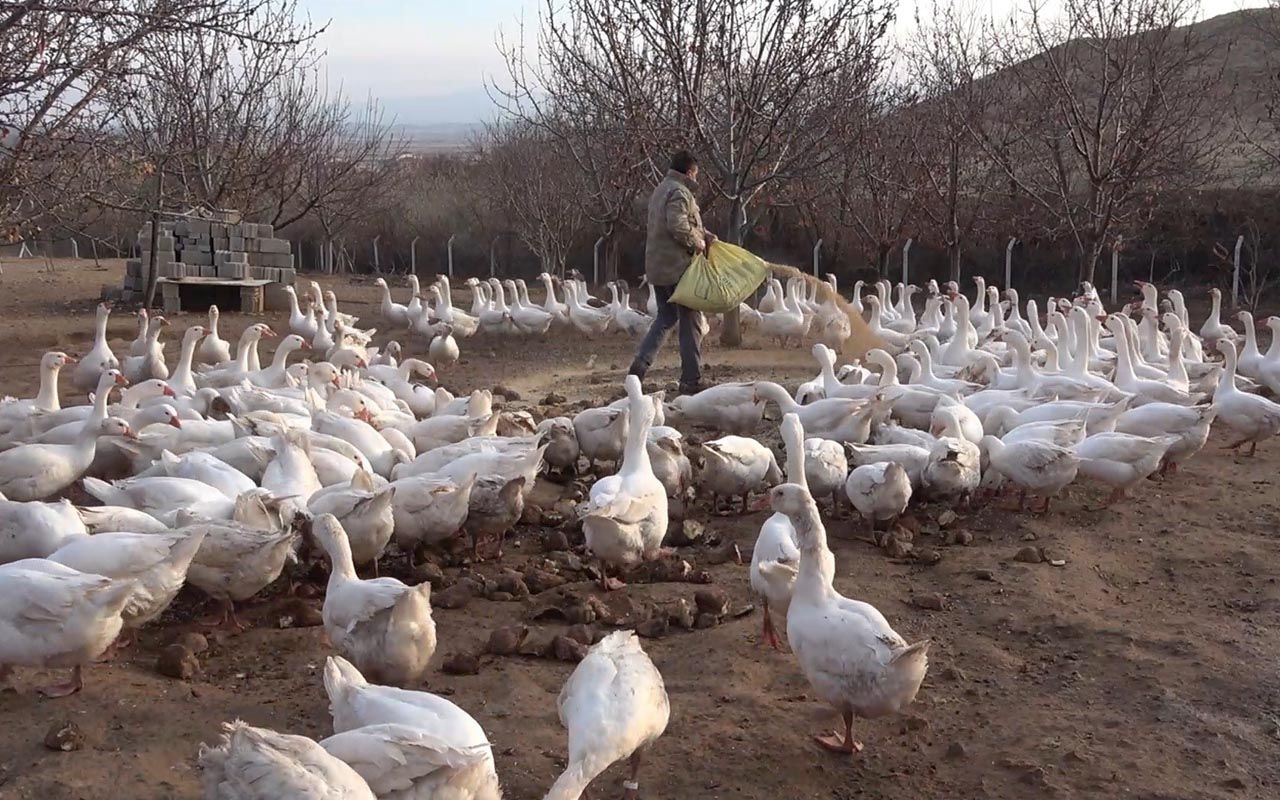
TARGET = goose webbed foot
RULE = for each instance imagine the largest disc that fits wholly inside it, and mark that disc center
(228, 621)
(834, 743)
(70, 687)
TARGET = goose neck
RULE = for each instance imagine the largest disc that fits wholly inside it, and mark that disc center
(282, 355)
(340, 558)
(47, 397)
(768, 390)
(635, 457)
(1250, 335)
(100, 327)
(100, 398)
(1124, 363)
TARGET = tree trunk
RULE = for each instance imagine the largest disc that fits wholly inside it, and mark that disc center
(1089, 261)
(953, 200)
(731, 332)
(882, 260)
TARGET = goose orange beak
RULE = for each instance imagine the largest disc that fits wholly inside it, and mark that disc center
(175, 422)
(168, 391)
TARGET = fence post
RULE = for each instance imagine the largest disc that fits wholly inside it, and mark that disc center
(1115, 270)
(493, 257)
(75, 249)
(1008, 262)
(906, 250)
(452, 236)
(817, 254)
(377, 265)
(1235, 273)
(595, 262)
(413, 255)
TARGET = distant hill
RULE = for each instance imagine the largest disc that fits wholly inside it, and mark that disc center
(444, 137)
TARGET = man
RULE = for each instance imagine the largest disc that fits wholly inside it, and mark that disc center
(675, 234)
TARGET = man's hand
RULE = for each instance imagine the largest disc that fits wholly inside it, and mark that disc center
(701, 246)
(708, 237)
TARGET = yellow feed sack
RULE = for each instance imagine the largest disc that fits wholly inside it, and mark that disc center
(727, 275)
(721, 279)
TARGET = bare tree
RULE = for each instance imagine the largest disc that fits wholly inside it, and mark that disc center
(1256, 93)
(1105, 104)
(251, 125)
(866, 197)
(60, 64)
(752, 85)
(529, 182)
(949, 62)
(591, 125)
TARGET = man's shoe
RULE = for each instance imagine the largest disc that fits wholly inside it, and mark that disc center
(692, 388)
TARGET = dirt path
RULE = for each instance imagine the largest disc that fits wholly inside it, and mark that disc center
(1143, 667)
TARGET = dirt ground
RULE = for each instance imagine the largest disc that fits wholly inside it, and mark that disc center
(1145, 667)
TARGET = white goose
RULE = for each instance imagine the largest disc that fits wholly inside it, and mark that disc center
(182, 380)
(851, 656)
(233, 372)
(382, 625)
(447, 755)
(625, 519)
(614, 706)
(429, 508)
(443, 349)
(303, 324)
(1143, 389)
(1035, 465)
(558, 310)
(591, 321)
(69, 431)
(37, 471)
(1121, 460)
(838, 419)
(259, 764)
(728, 407)
(150, 363)
(1212, 330)
(139, 344)
(787, 320)
(736, 466)
(275, 375)
(213, 349)
(55, 616)
(1254, 419)
(775, 556)
(156, 562)
(366, 511)
(237, 560)
(1269, 369)
(879, 491)
(99, 359)
(33, 530)
(463, 324)
(16, 415)
(528, 319)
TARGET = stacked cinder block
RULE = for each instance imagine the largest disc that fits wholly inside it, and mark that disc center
(218, 247)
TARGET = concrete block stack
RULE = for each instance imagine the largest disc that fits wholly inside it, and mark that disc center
(218, 247)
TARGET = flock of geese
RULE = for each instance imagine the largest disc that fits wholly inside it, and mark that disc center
(221, 472)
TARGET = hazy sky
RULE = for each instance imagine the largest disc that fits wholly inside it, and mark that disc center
(430, 48)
